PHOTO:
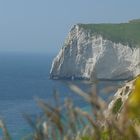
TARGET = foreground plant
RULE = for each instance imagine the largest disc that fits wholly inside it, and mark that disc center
(6, 135)
(67, 122)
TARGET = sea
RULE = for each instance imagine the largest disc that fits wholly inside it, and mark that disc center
(24, 78)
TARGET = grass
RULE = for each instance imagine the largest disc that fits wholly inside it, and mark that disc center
(125, 33)
(67, 122)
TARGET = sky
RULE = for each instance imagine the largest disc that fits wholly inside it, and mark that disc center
(42, 25)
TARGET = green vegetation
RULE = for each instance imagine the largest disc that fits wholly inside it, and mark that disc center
(125, 33)
(134, 21)
(117, 106)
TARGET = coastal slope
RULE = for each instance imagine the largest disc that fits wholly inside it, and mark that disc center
(98, 51)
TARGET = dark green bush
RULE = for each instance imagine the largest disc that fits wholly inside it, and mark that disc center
(117, 106)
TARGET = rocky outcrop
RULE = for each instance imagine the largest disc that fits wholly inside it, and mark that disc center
(85, 55)
(120, 98)
(119, 101)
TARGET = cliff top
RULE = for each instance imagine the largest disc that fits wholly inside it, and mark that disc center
(125, 33)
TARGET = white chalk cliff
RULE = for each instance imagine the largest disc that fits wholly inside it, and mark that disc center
(85, 55)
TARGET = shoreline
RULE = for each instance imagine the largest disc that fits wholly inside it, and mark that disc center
(71, 78)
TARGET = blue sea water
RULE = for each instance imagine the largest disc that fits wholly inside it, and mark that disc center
(25, 77)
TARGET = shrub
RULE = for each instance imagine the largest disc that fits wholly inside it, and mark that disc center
(117, 106)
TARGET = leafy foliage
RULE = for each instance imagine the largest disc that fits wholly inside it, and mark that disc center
(117, 106)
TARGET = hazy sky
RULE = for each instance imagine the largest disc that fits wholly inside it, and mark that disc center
(42, 25)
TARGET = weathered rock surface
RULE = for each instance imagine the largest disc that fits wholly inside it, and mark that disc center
(86, 56)
(120, 98)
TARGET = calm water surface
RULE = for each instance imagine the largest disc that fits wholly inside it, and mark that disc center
(24, 77)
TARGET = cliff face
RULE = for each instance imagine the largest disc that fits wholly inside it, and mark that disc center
(85, 55)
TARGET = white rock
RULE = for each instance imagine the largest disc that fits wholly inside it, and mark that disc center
(122, 93)
(84, 56)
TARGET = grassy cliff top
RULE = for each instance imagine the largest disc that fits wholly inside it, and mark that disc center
(125, 33)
